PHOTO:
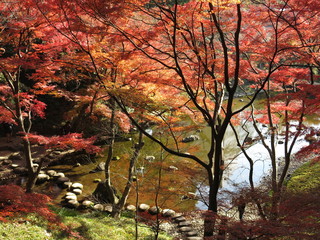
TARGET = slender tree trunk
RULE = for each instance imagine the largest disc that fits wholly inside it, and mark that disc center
(211, 214)
(25, 129)
(117, 208)
(105, 192)
(32, 174)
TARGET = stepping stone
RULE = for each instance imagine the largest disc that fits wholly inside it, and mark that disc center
(58, 175)
(87, 204)
(108, 208)
(192, 234)
(143, 207)
(131, 208)
(184, 224)
(61, 180)
(70, 197)
(42, 178)
(66, 184)
(51, 173)
(6, 162)
(154, 210)
(168, 213)
(185, 229)
(77, 185)
(194, 238)
(23, 170)
(14, 165)
(177, 216)
(77, 191)
(15, 156)
(70, 194)
(73, 203)
(180, 219)
(98, 207)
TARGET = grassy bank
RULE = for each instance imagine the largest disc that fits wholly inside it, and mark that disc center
(74, 225)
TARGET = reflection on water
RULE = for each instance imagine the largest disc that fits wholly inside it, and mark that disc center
(179, 177)
(236, 174)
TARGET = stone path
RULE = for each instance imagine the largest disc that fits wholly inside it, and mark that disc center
(185, 227)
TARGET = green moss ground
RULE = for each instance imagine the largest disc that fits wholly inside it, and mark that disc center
(305, 178)
(88, 226)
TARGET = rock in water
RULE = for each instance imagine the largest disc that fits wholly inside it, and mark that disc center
(99, 168)
(190, 138)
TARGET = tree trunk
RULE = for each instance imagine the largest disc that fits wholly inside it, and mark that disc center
(32, 176)
(211, 214)
(214, 177)
(117, 208)
(105, 192)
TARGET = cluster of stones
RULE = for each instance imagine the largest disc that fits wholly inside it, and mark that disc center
(52, 175)
(153, 210)
(71, 197)
(185, 227)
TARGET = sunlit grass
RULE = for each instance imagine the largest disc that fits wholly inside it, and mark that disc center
(93, 226)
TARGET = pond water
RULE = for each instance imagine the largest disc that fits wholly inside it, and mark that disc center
(180, 178)
(236, 174)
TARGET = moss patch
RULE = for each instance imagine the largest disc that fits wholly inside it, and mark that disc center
(305, 178)
(87, 226)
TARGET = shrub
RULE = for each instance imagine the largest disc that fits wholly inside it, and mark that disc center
(13, 200)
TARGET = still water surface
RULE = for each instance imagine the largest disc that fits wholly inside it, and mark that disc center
(179, 178)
